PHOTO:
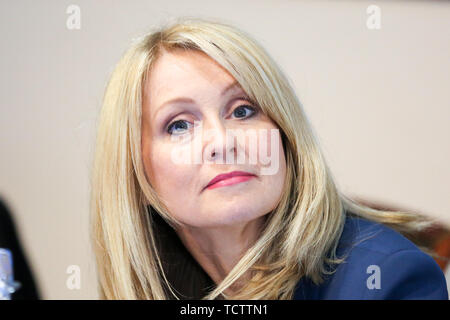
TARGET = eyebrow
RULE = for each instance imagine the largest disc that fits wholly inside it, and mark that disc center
(228, 88)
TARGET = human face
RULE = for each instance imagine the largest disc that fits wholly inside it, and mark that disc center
(181, 186)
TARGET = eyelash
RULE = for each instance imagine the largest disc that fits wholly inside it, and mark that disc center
(253, 109)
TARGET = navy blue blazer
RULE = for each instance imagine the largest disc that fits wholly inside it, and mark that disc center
(381, 264)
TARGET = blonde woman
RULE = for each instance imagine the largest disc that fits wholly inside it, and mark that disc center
(176, 212)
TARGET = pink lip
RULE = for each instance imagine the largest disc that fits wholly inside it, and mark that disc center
(229, 178)
(229, 181)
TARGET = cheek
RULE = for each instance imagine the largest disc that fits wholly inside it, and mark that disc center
(280, 158)
(270, 152)
(274, 182)
(158, 166)
(169, 179)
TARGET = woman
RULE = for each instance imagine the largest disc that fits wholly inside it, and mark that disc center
(176, 212)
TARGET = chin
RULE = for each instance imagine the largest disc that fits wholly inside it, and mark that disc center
(231, 217)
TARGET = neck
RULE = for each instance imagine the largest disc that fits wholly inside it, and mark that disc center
(219, 249)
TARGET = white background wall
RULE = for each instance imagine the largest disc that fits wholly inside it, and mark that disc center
(378, 99)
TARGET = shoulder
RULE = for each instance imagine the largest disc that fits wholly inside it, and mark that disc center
(365, 237)
(380, 263)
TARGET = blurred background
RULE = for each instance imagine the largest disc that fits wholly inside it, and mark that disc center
(373, 77)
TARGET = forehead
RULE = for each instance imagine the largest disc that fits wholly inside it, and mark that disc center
(187, 74)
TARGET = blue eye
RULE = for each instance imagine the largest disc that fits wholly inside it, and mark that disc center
(179, 124)
(241, 111)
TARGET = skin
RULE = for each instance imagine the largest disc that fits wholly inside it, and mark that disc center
(219, 224)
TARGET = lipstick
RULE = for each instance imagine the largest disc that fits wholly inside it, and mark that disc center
(230, 178)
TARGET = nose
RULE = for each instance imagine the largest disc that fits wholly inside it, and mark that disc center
(218, 146)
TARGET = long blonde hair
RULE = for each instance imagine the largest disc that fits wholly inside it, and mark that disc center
(300, 236)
